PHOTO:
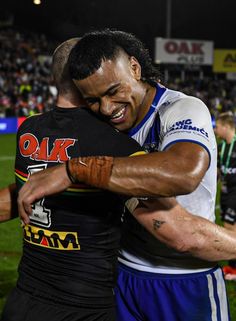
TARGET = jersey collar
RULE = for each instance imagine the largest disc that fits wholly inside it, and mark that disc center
(159, 92)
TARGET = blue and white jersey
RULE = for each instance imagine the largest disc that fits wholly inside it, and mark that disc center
(173, 117)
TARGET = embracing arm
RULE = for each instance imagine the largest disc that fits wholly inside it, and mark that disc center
(173, 225)
(175, 171)
(8, 203)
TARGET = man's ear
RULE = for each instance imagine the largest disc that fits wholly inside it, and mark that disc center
(135, 68)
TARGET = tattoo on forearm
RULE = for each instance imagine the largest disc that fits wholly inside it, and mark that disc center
(157, 224)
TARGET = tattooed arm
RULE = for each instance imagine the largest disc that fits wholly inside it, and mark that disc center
(173, 225)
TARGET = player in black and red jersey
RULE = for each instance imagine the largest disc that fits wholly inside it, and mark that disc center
(68, 266)
(225, 130)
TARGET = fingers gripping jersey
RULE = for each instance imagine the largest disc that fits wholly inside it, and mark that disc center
(173, 117)
(71, 243)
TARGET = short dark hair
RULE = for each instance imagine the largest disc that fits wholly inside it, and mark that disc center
(227, 118)
(96, 46)
(60, 68)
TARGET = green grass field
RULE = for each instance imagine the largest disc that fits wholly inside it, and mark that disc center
(11, 234)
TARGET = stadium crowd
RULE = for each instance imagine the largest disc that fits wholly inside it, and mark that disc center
(25, 82)
(218, 94)
(26, 87)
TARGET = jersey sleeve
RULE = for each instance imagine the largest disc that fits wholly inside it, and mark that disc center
(187, 120)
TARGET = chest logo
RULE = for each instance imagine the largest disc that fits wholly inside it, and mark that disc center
(30, 147)
(187, 125)
(56, 240)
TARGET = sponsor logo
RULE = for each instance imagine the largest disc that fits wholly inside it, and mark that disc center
(230, 60)
(66, 241)
(190, 60)
(229, 170)
(30, 147)
(193, 48)
(189, 52)
(187, 125)
(166, 103)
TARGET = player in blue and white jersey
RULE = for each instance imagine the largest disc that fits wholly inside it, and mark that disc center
(115, 75)
(167, 282)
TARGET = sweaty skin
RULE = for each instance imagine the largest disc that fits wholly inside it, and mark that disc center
(185, 232)
(177, 171)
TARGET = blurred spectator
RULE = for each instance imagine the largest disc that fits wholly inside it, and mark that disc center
(225, 130)
(25, 81)
(218, 94)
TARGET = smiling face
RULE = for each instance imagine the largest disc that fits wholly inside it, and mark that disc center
(116, 91)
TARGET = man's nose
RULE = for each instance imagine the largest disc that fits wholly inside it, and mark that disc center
(106, 107)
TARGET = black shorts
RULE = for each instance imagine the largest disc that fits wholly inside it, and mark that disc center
(228, 208)
(22, 306)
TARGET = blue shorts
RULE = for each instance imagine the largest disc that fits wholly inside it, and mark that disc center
(166, 297)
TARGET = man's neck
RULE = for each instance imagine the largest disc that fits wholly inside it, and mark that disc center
(149, 94)
(230, 136)
(65, 103)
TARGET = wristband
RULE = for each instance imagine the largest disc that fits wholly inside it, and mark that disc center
(94, 171)
(69, 174)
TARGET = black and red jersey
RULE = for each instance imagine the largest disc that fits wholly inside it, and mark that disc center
(71, 243)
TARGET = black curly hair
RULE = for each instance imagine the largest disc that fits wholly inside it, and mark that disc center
(96, 46)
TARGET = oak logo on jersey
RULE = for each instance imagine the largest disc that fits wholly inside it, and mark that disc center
(56, 240)
(187, 124)
(30, 147)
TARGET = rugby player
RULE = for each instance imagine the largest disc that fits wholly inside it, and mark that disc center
(114, 73)
(225, 130)
(68, 267)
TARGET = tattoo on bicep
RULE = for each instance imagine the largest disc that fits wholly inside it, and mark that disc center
(157, 224)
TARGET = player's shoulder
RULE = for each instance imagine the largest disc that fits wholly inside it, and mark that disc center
(36, 122)
(85, 113)
(29, 121)
(193, 106)
(187, 100)
(92, 121)
(182, 104)
(183, 101)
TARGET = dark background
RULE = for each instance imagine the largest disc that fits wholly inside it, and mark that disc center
(191, 19)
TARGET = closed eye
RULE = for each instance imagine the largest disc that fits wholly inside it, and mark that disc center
(92, 101)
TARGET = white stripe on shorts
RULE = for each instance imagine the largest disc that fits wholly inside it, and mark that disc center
(212, 299)
(221, 292)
